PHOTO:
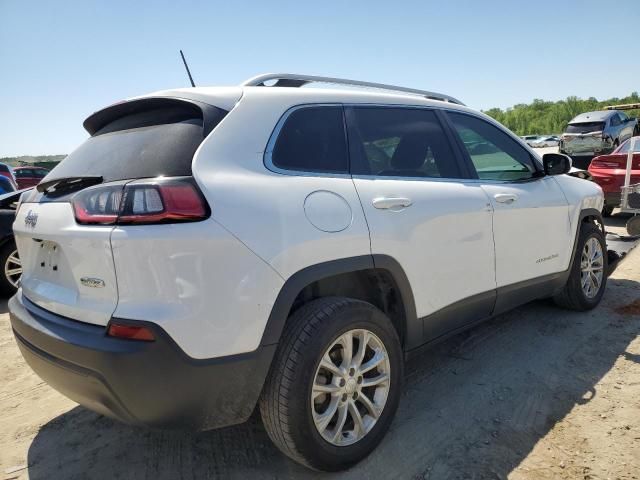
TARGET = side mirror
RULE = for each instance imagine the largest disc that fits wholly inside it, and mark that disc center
(556, 163)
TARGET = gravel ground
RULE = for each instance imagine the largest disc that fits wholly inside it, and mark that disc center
(536, 393)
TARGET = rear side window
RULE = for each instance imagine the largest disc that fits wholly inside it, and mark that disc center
(585, 127)
(24, 173)
(400, 142)
(312, 139)
(140, 145)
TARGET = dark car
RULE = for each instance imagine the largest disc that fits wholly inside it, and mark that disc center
(7, 172)
(9, 258)
(29, 176)
(6, 185)
(596, 133)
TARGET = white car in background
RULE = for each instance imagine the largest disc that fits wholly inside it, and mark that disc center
(530, 139)
(551, 141)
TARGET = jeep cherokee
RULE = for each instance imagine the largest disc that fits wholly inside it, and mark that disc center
(208, 251)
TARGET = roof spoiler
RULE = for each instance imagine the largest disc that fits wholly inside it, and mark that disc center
(210, 114)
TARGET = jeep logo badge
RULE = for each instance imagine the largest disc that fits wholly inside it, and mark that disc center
(31, 219)
(92, 282)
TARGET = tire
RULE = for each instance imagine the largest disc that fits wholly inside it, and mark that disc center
(633, 226)
(573, 295)
(607, 210)
(6, 285)
(288, 403)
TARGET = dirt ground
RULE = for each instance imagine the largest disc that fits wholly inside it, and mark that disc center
(537, 393)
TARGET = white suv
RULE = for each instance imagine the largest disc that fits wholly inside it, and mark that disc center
(210, 250)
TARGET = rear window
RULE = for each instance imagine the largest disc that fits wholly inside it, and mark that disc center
(4, 168)
(585, 127)
(624, 148)
(140, 145)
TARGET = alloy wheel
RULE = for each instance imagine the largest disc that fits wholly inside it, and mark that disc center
(350, 387)
(13, 268)
(591, 267)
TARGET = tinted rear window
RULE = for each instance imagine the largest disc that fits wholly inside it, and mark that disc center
(144, 144)
(4, 168)
(312, 139)
(585, 127)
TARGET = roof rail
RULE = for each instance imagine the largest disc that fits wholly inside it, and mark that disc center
(295, 80)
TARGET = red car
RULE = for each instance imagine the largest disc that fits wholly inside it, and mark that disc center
(29, 176)
(609, 170)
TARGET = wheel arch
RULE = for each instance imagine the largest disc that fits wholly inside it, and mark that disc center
(377, 279)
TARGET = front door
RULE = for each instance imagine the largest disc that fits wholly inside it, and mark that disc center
(531, 226)
(421, 212)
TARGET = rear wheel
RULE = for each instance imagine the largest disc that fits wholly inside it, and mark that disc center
(334, 386)
(12, 268)
(588, 276)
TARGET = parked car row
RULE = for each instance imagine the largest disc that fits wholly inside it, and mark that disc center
(20, 177)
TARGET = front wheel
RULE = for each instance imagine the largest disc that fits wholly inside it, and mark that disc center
(588, 276)
(334, 385)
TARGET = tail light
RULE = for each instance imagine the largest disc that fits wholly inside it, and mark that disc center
(160, 200)
(607, 162)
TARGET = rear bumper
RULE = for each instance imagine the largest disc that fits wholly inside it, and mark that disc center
(145, 383)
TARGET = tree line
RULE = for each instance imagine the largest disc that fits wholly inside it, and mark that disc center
(543, 117)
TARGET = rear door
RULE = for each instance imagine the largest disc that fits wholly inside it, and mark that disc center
(422, 212)
(68, 266)
(531, 226)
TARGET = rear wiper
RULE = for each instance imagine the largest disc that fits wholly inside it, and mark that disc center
(65, 184)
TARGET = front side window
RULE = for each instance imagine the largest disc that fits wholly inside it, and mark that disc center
(312, 139)
(615, 121)
(494, 154)
(400, 142)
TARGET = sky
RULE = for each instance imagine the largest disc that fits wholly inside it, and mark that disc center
(61, 61)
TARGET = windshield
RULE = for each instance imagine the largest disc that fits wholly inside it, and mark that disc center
(585, 127)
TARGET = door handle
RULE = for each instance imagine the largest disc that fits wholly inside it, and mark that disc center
(391, 203)
(505, 198)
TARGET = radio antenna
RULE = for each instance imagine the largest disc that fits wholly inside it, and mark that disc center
(187, 67)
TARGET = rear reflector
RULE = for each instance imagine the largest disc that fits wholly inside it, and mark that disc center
(161, 200)
(130, 332)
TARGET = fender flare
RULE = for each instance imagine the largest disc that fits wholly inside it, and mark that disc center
(299, 280)
(587, 212)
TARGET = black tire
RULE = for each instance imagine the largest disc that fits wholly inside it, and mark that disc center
(6, 288)
(285, 403)
(607, 210)
(572, 296)
(633, 226)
